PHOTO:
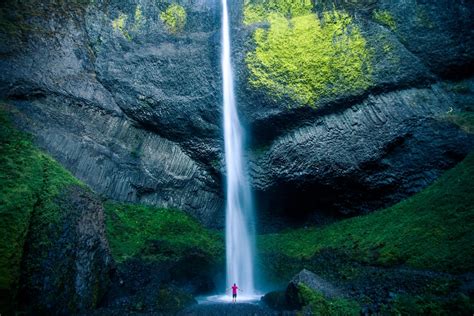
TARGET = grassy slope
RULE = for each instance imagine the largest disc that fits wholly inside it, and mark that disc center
(131, 230)
(29, 182)
(431, 230)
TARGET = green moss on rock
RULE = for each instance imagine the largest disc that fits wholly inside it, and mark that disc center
(458, 304)
(384, 17)
(150, 233)
(29, 183)
(320, 305)
(431, 230)
(138, 18)
(120, 24)
(256, 11)
(307, 57)
(174, 17)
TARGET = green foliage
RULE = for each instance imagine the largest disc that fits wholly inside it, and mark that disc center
(307, 58)
(256, 11)
(120, 24)
(133, 229)
(429, 305)
(29, 183)
(384, 17)
(433, 229)
(174, 17)
(21, 176)
(319, 305)
(138, 18)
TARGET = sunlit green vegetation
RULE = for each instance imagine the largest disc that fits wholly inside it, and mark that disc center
(305, 56)
(150, 233)
(384, 17)
(120, 24)
(433, 229)
(320, 305)
(174, 17)
(256, 11)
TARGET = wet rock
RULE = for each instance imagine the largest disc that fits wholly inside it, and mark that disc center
(366, 157)
(66, 268)
(312, 281)
(224, 309)
(276, 300)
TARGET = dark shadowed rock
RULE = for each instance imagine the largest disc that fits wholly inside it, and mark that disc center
(368, 156)
(133, 111)
(66, 268)
(276, 300)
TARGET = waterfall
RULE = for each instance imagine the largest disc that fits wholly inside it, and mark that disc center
(239, 208)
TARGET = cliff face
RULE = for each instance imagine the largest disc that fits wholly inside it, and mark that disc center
(348, 104)
(124, 101)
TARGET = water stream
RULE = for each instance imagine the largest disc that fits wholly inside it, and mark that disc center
(239, 208)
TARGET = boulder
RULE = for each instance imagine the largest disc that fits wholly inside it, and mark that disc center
(292, 294)
(66, 267)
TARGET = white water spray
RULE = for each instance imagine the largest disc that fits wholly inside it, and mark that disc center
(239, 212)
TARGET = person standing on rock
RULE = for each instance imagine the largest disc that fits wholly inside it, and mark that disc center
(235, 288)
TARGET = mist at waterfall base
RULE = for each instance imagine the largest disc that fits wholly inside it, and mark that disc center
(240, 230)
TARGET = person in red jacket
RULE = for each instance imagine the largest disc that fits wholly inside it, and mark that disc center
(235, 288)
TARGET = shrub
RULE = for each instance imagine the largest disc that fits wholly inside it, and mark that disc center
(174, 18)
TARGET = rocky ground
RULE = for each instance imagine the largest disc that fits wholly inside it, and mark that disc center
(246, 309)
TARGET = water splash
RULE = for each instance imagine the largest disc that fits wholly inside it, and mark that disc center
(239, 212)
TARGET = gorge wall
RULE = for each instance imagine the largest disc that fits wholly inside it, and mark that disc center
(127, 96)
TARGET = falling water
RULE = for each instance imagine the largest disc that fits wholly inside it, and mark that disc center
(239, 227)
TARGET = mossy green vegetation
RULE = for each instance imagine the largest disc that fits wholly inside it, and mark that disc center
(305, 56)
(320, 305)
(256, 11)
(138, 20)
(459, 304)
(157, 234)
(120, 24)
(433, 229)
(29, 183)
(174, 17)
(384, 17)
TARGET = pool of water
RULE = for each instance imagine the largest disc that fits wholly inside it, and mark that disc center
(241, 298)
